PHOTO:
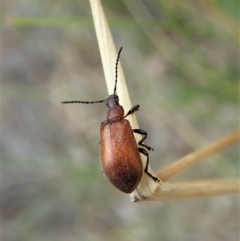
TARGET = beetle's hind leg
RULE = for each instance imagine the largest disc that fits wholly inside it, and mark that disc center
(145, 153)
(144, 133)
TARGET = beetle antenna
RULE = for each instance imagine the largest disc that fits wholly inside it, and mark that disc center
(99, 101)
(116, 71)
(82, 102)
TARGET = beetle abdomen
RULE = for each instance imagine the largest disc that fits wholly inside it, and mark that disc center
(120, 158)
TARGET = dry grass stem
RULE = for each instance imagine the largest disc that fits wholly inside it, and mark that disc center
(148, 189)
(195, 189)
(108, 55)
(197, 156)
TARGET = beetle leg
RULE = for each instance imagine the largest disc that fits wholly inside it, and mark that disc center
(132, 110)
(145, 153)
(144, 133)
(103, 122)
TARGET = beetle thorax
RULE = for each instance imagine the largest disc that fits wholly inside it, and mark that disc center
(115, 111)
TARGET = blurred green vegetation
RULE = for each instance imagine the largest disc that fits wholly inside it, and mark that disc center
(181, 61)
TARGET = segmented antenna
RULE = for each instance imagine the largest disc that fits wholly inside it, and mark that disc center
(99, 101)
(82, 102)
(116, 70)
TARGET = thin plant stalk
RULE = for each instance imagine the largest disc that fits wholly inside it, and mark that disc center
(197, 156)
(108, 55)
(148, 189)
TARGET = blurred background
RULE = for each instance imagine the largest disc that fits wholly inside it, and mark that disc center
(181, 62)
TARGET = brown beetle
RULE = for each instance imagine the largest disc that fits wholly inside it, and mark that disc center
(120, 155)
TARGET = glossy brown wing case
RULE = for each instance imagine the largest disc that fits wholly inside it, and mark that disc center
(120, 157)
